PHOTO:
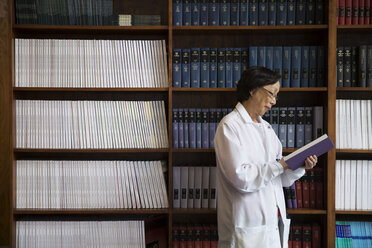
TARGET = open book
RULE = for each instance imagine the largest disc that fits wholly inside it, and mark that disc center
(316, 147)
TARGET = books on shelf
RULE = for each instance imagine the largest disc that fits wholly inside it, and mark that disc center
(90, 124)
(353, 234)
(248, 12)
(317, 147)
(90, 63)
(353, 185)
(194, 187)
(198, 235)
(305, 235)
(137, 20)
(300, 66)
(353, 124)
(353, 12)
(80, 233)
(90, 185)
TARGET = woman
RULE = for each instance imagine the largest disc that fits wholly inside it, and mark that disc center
(250, 169)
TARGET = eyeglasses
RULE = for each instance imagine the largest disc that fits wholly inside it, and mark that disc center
(274, 97)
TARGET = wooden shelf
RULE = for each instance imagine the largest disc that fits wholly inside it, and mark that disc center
(306, 211)
(360, 26)
(310, 89)
(354, 151)
(148, 150)
(255, 28)
(187, 150)
(348, 89)
(49, 89)
(356, 212)
(194, 211)
(87, 211)
(76, 29)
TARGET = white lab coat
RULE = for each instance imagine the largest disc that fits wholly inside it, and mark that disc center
(249, 183)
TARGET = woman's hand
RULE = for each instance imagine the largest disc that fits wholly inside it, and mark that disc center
(310, 162)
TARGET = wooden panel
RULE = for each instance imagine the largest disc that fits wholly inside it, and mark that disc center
(5, 117)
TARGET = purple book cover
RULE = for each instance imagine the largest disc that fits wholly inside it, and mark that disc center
(287, 196)
(293, 195)
(317, 147)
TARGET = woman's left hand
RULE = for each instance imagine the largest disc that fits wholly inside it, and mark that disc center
(311, 161)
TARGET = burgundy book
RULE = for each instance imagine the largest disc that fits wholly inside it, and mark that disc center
(361, 12)
(305, 191)
(206, 237)
(306, 236)
(299, 193)
(348, 12)
(312, 190)
(355, 14)
(175, 238)
(341, 12)
(367, 12)
(297, 236)
(292, 191)
(319, 187)
(316, 238)
(198, 243)
(316, 147)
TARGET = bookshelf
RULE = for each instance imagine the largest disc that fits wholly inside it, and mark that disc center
(330, 35)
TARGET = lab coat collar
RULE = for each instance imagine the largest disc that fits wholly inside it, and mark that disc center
(244, 114)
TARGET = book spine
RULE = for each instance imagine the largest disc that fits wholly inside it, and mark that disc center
(176, 68)
(281, 12)
(291, 12)
(320, 66)
(205, 128)
(234, 13)
(221, 70)
(175, 127)
(291, 124)
(213, 13)
(181, 143)
(348, 11)
(313, 66)
(277, 67)
(237, 70)
(253, 56)
(319, 13)
(269, 62)
(296, 67)
(310, 12)
(212, 126)
(185, 68)
(195, 67)
(195, 12)
(300, 127)
(263, 12)
(229, 68)
(186, 12)
(300, 12)
(204, 67)
(192, 128)
(225, 13)
(283, 126)
(177, 12)
(253, 12)
(340, 67)
(186, 128)
(299, 193)
(198, 128)
(243, 13)
(261, 59)
(204, 12)
(286, 67)
(272, 12)
(213, 68)
(305, 64)
(347, 67)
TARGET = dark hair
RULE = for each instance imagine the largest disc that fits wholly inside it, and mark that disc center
(253, 78)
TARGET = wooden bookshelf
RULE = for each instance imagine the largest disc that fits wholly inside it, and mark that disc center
(329, 35)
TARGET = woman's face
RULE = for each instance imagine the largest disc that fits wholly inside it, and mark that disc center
(265, 98)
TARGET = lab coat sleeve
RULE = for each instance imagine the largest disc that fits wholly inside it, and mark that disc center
(290, 176)
(245, 176)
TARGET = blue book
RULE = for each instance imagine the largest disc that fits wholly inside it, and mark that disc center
(212, 126)
(213, 13)
(175, 127)
(176, 68)
(234, 13)
(185, 68)
(192, 128)
(291, 12)
(225, 13)
(362, 66)
(346, 67)
(300, 127)
(310, 12)
(300, 12)
(269, 63)
(253, 56)
(263, 12)
(186, 128)
(368, 66)
(277, 67)
(205, 128)
(243, 13)
(261, 59)
(237, 70)
(253, 12)
(354, 66)
(195, 67)
(283, 126)
(274, 119)
(204, 12)
(286, 67)
(291, 124)
(195, 12)
(320, 67)
(296, 67)
(221, 68)
(181, 143)
(177, 12)
(229, 68)
(281, 12)
(213, 68)
(308, 125)
(198, 128)
(313, 66)
(272, 12)
(204, 67)
(319, 12)
(186, 12)
(219, 116)
(245, 59)
(305, 52)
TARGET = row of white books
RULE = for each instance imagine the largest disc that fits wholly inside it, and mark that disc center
(90, 63)
(90, 185)
(354, 124)
(194, 187)
(90, 124)
(67, 234)
(353, 185)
